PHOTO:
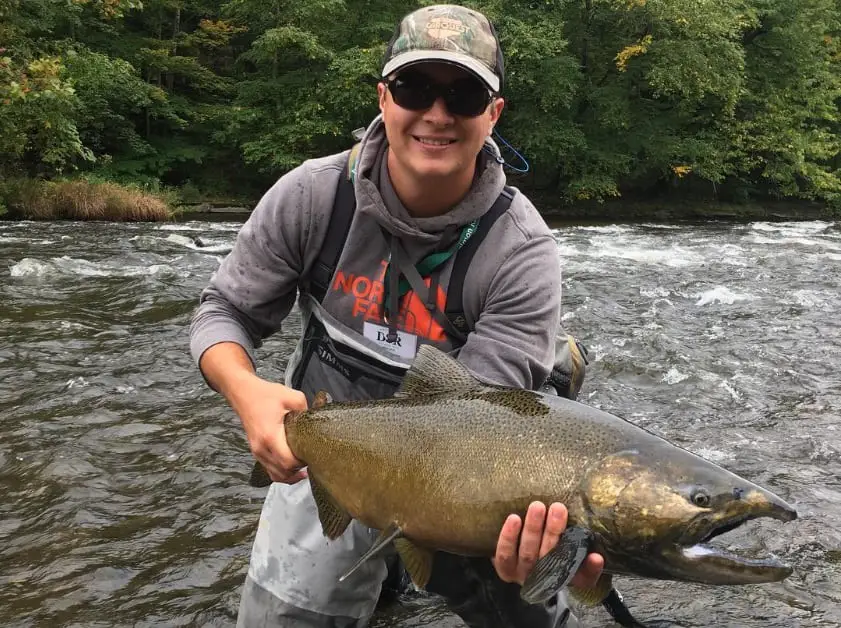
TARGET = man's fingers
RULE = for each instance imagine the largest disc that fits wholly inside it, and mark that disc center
(275, 464)
(556, 523)
(530, 540)
(295, 402)
(522, 542)
(505, 559)
(299, 475)
(589, 572)
(287, 477)
(274, 452)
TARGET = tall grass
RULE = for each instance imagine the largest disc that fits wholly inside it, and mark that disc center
(83, 200)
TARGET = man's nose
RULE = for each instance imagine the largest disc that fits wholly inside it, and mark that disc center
(438, 112)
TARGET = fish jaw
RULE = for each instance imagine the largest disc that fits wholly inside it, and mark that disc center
(653, 514)
(712, 565)
(692, 559)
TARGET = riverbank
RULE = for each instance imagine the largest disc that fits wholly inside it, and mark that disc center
(82, 200)
(690, 210)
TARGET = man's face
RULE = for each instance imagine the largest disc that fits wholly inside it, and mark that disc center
(433, 143)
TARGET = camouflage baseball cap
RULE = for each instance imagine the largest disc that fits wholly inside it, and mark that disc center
(450, 34)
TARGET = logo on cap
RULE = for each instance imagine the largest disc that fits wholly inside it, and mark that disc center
(444, 28)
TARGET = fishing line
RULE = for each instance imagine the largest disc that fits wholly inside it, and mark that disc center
(502, 161)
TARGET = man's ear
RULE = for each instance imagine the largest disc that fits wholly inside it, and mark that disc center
(381, 94)
(497, 106)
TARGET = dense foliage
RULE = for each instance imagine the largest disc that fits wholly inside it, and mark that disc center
(720, 98)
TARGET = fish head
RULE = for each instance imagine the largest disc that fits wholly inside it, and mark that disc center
(654, 514)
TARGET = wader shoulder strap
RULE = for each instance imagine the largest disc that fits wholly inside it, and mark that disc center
(344, 207)
(454, 309)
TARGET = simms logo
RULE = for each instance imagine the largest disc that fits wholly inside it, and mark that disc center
(327, 356)
(444, 28)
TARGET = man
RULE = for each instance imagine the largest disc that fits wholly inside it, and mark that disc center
(426, 178)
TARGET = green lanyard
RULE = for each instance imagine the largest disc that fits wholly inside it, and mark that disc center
(433, 261)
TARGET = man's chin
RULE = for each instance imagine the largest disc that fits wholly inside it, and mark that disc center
(436, 172)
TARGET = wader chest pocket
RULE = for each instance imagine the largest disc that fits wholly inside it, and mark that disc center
(352, 375)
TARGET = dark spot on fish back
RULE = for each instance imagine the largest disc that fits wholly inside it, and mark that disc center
(524, 402)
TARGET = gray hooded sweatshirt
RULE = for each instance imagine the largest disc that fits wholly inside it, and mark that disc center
(511, 300)
(512, 290)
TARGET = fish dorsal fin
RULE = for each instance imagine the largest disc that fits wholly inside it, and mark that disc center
(334, 519)
(386, 536)
(322, 398)
(433, 372)
(416, 560)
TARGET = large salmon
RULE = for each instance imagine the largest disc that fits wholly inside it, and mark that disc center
(443, 463)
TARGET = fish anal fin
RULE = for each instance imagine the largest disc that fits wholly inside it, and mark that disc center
(416, 560)
(334, 519)
(554, 571)
(433, 372)
(388, 535)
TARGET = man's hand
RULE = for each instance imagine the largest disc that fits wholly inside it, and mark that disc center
(261, 405)
(516, 554)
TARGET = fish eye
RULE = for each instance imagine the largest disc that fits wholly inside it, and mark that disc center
(701, 498)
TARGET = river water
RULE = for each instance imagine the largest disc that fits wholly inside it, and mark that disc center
(125, 498)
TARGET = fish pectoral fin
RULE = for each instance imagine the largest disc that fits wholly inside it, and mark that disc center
(259, 476)
(434, 372)
(386, 536)
(416, 560)
(554, 571)
(322, 398)
(334, 519)
(596, 595)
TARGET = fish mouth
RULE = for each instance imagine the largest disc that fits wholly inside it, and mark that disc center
(714, 565)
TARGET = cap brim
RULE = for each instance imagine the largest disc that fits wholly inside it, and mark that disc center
(468, 63)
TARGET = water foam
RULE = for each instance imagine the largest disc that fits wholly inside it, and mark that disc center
(30, 267)
(722, 295)
(809, 299)
(179, 228)
(674, 376)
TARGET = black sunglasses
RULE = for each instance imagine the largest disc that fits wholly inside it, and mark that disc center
(416, 91)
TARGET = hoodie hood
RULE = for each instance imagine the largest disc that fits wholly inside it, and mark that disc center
(377, 198)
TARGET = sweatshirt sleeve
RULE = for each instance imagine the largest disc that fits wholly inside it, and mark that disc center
(255, 287)
(513, 341)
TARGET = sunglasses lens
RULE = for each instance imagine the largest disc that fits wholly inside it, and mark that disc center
(412, 92)
(466, 97)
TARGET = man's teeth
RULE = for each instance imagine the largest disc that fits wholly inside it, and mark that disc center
(433, 142)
